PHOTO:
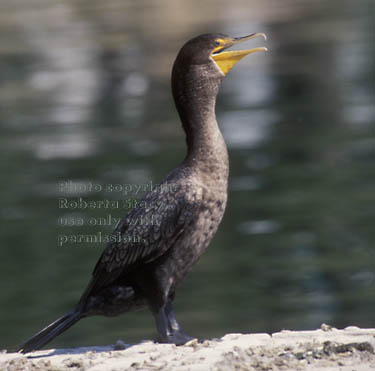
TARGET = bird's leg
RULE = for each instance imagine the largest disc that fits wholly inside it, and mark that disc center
(162, 325)
(171, 317)
(169, 330)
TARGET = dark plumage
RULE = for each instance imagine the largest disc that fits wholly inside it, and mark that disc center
(186, 209)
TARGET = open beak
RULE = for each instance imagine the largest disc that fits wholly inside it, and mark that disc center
(226, 60)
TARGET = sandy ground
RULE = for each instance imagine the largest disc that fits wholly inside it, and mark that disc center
(351, 349)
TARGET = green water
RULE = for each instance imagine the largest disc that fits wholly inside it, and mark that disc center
(85, 96)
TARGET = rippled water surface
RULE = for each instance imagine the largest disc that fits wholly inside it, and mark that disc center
(85, 96)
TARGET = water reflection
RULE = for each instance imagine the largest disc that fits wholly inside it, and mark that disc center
(246, 129)
(85, 96)
(259, 227)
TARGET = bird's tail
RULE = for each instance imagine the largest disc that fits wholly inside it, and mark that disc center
(50, 332)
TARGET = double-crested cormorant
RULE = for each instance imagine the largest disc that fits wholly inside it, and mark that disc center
(189, 205)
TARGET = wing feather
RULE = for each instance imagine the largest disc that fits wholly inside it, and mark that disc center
(149, 232)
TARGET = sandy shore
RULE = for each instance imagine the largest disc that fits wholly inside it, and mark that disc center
(324, 349)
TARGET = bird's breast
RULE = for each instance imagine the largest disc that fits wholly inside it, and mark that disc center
(198, 233)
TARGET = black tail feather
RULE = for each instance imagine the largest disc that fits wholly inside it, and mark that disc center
(50, 332)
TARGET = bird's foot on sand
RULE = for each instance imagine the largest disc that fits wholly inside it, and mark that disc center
(177, 337)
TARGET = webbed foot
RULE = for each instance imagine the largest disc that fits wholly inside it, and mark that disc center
(169, 331)
(177, 337)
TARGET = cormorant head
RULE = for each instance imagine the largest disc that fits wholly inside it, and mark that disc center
(198, 71)
(209, 48)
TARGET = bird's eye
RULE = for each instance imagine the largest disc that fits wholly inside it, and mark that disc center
(217, 43)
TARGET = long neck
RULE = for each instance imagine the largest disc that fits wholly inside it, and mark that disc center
(194, 91)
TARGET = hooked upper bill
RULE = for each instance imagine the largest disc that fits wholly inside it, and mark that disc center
(226, 60)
